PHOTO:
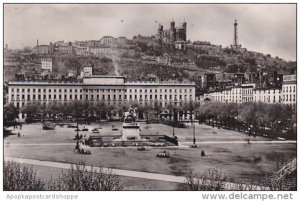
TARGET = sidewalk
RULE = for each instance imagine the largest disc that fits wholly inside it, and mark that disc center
(181, 144)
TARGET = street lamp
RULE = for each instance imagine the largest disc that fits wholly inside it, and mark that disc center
(194, 137)
(77, 129)
(173, 123)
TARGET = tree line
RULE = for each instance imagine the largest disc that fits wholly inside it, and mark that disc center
(273, 120)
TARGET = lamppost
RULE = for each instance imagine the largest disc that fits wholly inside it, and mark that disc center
(173, 123)
(194, 137)
(77, 129)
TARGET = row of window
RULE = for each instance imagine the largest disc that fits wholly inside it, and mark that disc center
(44, 90)
(234, 99)
(235, 92)
(286, 98)
(102, 90)
(260, 91)
(259, 99)
(97, 97)
(288, 88)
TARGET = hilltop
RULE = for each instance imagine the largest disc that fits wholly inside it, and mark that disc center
(147, 59)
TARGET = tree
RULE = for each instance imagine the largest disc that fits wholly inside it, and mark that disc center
(30, 109)
(99, 108)
(157, 108)
(10, 113)
(275, 114)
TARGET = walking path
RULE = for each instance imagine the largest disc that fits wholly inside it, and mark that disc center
(128, 173)
(243, 142)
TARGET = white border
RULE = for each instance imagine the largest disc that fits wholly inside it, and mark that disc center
(124, 195)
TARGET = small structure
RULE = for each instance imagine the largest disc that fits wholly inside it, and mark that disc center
(131, 129)
(163, 154)
(48, 125)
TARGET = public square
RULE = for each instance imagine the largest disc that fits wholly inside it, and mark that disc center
(149, 97)
(227, 150)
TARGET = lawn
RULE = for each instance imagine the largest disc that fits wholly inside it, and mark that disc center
(129, 183)
(241, 162)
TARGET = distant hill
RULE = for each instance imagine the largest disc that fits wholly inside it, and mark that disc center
(148, 60)
(206, 55)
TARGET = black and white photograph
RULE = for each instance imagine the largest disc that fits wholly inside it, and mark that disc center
(149, 97)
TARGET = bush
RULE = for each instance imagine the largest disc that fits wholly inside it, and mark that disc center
(210, 180)
(16, 178)
(79, 178)
(176, 124)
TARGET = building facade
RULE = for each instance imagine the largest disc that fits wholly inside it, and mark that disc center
(107, 40)
(289, 90)
(238, 94)
(265, 95)
(46, 64)
(285, 94)
(103, 51)
(87, 71)
(172, 34)
(113, 90)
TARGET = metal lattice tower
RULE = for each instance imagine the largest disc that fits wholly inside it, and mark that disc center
(235, 36)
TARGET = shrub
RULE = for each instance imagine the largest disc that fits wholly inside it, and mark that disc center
(79, 178)
(17, 178)
(176, 124)
(210, 180)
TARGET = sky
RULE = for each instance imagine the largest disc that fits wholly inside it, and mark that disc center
(266, 28)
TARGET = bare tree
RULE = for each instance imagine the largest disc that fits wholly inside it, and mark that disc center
(17, 178)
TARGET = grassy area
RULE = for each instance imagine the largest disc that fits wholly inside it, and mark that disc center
(237, 160)
(128, 183)
(243, 162)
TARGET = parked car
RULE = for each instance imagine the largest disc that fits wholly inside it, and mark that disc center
(141, 148)
(85, 129)
(163, 154)
(95, 130)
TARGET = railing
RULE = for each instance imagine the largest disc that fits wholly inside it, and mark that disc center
(286, 169)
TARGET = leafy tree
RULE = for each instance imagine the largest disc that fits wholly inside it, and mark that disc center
(100, 107)
(10, 113)
(31, 108)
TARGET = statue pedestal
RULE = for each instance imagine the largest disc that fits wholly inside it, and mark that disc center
(131, 131)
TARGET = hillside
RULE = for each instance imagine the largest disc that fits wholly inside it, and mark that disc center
(206, 55)
(148, 60)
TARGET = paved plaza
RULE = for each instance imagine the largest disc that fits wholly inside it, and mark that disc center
(225, 149)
